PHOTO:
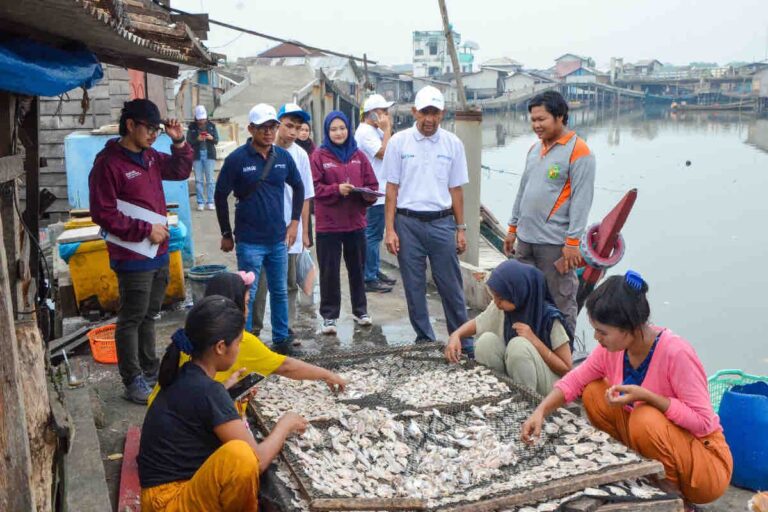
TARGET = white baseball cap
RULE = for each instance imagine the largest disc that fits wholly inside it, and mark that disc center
(261, 114)
(375, 101)
(429, 97)
(200, 113)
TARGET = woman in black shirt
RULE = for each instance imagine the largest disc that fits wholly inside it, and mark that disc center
(196, 452)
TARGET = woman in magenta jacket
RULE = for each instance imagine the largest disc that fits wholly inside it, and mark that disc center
(338, 170)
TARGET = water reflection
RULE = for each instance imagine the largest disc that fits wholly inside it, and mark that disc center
(697, 231)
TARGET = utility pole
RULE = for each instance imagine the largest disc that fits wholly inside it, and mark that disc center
(468, 129)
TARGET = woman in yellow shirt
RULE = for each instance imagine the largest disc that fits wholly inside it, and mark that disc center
(254, 356)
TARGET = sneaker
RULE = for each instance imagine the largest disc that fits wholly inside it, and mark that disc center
(363, 320)
(377, 287)
(137, 391)
(422, 339)
(329, 326)
(283, 348)
(384, 278)
(200, 207)
(151, 379)
(211, 206)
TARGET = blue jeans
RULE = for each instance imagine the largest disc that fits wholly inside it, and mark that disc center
(374, 234)
(274, 259)
(204, 182)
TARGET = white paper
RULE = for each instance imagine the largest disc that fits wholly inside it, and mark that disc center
(145, 247)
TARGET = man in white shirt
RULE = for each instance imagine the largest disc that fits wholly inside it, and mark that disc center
(372, 137)
(291, 117)
(426, 167)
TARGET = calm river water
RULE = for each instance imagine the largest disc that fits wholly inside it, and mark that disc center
(698, 232)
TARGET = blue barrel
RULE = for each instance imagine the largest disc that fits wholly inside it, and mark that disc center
(744, 416)
(199, 276)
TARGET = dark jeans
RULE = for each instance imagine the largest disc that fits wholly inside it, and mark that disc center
(562, 287)
(435, 240)
(141, 296)
(330, 247)
(374, 234)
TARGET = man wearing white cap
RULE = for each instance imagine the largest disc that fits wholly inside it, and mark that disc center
(203, 137)
(426, 167)
(257, 173)
(372, 137)
(291, 117)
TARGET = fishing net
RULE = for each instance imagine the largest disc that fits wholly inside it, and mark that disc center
(399, 437)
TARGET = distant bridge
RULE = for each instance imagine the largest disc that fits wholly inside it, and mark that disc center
(512, 100)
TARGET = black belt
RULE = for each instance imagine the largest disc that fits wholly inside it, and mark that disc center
(425, 216)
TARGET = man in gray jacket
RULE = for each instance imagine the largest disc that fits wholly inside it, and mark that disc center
(552, 204)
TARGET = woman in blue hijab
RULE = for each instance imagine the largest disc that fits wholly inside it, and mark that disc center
(521, 332)
(341, 174)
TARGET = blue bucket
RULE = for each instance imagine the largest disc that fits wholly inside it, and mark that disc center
(199, 276)
(744, 416)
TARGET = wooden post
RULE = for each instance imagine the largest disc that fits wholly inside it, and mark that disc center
(15, 460)
(454, 58)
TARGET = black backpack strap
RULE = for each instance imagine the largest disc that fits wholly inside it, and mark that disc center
(264, 174)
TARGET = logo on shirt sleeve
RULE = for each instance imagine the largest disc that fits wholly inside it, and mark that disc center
(553, 172)
(132, 174)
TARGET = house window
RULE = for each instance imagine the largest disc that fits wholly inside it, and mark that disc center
(433, 71)
(419, 52)
(433, 48)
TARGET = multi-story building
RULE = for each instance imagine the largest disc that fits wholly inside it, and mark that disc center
(431, 56)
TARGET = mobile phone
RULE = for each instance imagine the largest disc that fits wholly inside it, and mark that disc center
(204, 134)
(374, 117)
(244, 385)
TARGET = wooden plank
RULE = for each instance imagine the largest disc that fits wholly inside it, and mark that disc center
(675, 505)
(130, 489)
(367, 504)
(140, 64)
(564, 487)
(84, 481)
(11, 167)
(15, 457)
(37, 407)
(11, 241)
(31, 127)
(584, 504)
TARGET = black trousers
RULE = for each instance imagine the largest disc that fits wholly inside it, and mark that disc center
(330, 248)
(141, 297)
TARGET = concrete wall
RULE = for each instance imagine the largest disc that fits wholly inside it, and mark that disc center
(518, 83)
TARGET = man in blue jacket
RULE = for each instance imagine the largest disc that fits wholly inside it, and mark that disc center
(257, 173)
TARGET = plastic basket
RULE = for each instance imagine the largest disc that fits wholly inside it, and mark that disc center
(103, 348)
(724, 380)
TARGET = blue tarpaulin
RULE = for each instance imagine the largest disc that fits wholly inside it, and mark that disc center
(37, 69)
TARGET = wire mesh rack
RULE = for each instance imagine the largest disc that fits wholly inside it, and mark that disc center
(383, 452)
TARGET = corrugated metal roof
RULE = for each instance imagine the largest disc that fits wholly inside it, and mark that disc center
(131, 29)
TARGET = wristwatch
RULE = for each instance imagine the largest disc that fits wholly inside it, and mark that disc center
(178, 141)
(461, 227)
(226, 234)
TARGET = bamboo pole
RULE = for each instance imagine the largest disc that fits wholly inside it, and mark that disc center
(454, 58)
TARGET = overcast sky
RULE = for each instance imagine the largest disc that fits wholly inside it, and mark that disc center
(533, 32)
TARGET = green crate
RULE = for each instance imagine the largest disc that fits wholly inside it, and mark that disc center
(724, 380)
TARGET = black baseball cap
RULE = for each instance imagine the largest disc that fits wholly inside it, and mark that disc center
(142, 110)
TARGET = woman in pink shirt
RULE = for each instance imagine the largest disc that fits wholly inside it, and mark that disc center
(645, 386)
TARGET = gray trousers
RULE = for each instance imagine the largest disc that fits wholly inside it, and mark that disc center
(435, 240)
(141, 296)
(562, 287)
(260, 304)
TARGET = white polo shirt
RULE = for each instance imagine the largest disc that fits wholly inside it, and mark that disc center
(425, 168)
(301, 159)
(369, 140)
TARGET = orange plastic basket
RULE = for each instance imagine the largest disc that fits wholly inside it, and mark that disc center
(103, 348)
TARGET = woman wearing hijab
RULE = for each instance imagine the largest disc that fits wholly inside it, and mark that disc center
(521, 332)
(304, 139)
(338, 168)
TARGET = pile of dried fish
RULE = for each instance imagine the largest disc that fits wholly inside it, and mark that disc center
(449, 385)
(375, 453)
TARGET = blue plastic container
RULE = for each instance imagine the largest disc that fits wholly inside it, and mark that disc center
(744, 416)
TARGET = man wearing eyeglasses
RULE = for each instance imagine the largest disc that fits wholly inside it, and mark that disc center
(129, 170)
(257, 173)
